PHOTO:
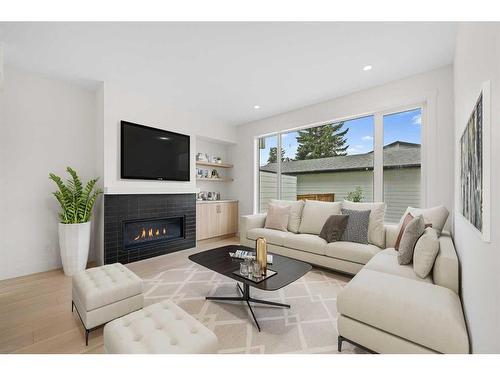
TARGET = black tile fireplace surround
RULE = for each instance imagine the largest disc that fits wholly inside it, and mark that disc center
(141, 226)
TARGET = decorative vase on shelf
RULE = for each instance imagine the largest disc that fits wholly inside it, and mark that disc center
(261, 254)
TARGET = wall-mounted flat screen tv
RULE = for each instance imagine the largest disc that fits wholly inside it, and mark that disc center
(153, 154)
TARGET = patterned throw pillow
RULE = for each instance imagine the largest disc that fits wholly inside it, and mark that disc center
(412, 233)
(357, 226)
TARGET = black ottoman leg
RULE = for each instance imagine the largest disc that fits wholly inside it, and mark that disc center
(339, 343)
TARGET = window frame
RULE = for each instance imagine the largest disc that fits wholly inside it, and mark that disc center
(378, 147)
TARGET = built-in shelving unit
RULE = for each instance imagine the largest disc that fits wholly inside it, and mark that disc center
(214, 165)
(224, 179)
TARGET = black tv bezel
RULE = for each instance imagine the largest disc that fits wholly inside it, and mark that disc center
(122, 174)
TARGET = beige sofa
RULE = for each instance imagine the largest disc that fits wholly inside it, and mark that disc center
(386, 307)
(346, 257)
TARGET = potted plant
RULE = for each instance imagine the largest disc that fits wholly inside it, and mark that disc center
(356, 195)
(74, 220)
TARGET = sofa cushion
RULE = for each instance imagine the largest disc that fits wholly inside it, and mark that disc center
(315, 214)
(295, 217)
(376, 234)
(277, 217)
(272, 236)
(387, 261)
(351, 251)
(306, 242)
(426, 314)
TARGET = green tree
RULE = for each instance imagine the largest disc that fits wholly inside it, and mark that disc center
(273, 155)
(322, 142)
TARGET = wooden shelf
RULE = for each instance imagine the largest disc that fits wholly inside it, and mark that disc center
(215, 165)
(215, 179)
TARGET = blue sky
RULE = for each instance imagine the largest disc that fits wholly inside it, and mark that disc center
(403, 126)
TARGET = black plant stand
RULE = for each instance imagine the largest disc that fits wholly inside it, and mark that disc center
(247, 298)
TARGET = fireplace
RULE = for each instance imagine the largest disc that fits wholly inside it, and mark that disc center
(145, 232)
(141, 226)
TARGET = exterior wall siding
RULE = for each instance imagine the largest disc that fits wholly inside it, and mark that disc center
(269, 187)
(401, 187)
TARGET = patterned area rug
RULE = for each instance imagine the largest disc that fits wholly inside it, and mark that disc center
(309, 326)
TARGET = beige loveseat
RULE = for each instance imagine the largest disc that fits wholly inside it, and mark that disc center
(386, 307)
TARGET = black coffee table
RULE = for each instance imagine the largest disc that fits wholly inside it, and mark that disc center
(218, 260)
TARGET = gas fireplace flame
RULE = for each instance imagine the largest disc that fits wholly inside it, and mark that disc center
(146, 233)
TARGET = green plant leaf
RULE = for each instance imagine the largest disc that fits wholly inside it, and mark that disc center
(76, 203)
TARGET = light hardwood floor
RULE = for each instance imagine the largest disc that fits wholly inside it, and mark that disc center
(35, 310)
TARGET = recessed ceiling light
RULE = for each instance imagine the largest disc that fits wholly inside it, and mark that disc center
(256, 107)
(367, 68)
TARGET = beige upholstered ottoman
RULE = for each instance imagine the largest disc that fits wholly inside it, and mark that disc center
(104, 293)
(160, 328)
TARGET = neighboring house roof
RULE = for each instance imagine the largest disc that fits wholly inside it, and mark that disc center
(396, 155)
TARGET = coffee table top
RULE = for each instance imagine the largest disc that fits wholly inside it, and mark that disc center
(218, 260)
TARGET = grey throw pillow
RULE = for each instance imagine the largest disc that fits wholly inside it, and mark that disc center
(412, 233)
(334, 228)
(357, 226)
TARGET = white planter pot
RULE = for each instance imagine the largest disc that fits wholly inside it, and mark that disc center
(74, 242)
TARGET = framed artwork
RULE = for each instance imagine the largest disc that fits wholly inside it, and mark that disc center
(475, 165)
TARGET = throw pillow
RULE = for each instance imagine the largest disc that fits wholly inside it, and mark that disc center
(295, 217)
(334, 228)
(412, 233)
(409, 217)
(426, 250)
(436, 216)
(376, 230)
(277, 217)
(357, 226)
(315, 214)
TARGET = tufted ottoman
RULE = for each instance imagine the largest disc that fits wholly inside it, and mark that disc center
(104, 293)
(160, 328)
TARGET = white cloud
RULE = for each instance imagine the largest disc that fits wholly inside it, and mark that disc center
(356, 149)
(417, 119)
(367, 138)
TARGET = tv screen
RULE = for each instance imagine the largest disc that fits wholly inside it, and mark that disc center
(153, 154)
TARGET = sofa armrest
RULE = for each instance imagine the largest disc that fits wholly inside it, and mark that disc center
(391, 234)
(248, 222)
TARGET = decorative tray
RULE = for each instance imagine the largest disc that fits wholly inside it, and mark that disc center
(269, 274)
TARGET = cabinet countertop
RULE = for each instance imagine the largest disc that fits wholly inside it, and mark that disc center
(219, 201)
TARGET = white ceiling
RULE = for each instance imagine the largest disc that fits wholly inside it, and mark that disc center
(222, 70)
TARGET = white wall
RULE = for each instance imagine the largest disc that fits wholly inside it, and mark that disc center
(147, 108)
(477, 59)
(437, 151)
(45, 125)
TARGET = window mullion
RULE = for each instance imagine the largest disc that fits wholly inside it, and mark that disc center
(378, 159)
(278, 169)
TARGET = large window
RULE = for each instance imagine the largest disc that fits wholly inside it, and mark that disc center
(326, 162)
(339, 160)
(402, 143)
